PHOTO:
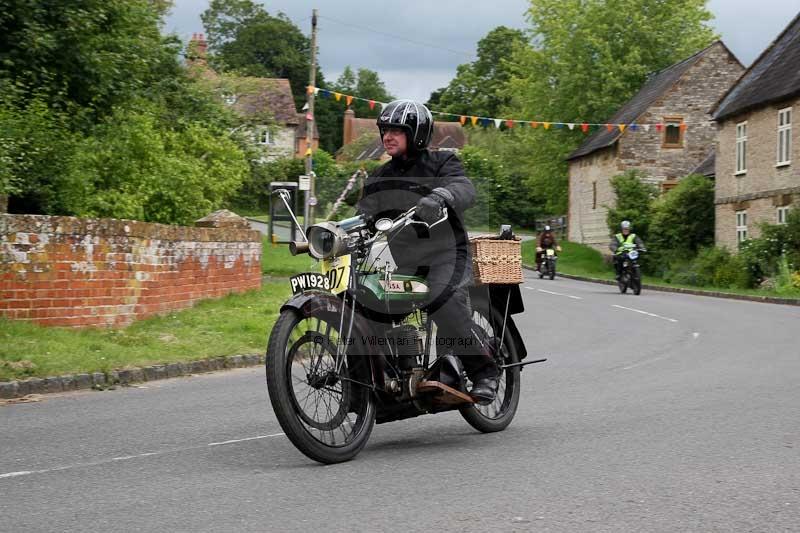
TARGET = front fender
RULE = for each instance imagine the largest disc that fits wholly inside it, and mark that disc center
(307, 303)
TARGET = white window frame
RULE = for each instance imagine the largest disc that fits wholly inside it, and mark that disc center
(783, 214)
(741, 226)
(265, 137)
(741, 148)
(784, 144)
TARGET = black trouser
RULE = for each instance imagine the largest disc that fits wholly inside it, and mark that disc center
(450, 309)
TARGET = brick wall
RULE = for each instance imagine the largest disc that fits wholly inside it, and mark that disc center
(764, 185)
(65, 271)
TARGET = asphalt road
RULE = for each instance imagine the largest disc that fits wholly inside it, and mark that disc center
(662, 412)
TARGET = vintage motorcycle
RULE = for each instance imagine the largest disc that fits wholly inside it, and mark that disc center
(631, 276)
(353, 346)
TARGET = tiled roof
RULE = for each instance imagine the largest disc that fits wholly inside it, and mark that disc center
(773, 77)
(271, 94)
(706, 168)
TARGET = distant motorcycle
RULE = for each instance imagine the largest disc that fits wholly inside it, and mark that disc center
(548, 265)
(631, 276)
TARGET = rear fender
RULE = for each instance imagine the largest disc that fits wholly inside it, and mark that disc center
(497, 295)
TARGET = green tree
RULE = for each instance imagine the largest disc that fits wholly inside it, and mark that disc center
(633, 202)
(84, 58)
(683, 219)
(585, 59)
(479, 87)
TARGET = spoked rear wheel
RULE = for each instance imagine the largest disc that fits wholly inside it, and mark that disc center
(319, 399)
(497, 415)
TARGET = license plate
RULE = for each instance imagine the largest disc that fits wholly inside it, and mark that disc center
(337, 271)
(309, 281)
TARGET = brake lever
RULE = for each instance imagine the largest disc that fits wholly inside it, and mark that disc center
(444, 217)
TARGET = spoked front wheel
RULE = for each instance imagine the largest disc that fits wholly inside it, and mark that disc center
(319, 397)
(497, 415)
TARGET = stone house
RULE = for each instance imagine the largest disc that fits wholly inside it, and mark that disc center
(673, 135)
(757, 162)
(447, 136)
(266, 105)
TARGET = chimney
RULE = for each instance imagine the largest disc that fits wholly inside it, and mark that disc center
(197, 50)
(349, 127)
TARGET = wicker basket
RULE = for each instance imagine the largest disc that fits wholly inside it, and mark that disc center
(496, 261)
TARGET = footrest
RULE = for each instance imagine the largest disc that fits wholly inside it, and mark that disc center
(445, 395)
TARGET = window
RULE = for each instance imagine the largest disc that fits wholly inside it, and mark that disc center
(673, 132)
(783, 214)
(741, 226)
(228, 98)
(785, 136)
(594, 195)
(741, 148)
(265, 137)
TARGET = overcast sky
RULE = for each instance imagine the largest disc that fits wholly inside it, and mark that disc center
(351, 32)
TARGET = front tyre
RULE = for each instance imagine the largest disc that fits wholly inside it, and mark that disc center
(497, 415)
(318, 404)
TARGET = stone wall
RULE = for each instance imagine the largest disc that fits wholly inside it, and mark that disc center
(65, 271)
(764, 186)
(690, 99)
(588, 176)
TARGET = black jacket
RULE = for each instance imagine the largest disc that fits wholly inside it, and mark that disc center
(398, 185)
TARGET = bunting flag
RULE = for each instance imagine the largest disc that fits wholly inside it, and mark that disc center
(508, 123)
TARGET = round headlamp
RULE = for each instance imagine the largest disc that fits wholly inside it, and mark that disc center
(326, 240)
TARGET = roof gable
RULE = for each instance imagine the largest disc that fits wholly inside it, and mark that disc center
(773, 77)
(658, 85)
(271, 94)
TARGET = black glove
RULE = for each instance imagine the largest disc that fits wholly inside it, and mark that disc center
(429, 208)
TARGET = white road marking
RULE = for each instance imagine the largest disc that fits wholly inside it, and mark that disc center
(555, 293)
(644, 313)
(128, 457)
(248, 438)
(15, 474)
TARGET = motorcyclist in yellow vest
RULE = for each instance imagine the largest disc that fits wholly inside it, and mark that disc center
(623, 240)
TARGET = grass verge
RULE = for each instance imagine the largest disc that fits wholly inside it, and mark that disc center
(235, 324)
(580, 260)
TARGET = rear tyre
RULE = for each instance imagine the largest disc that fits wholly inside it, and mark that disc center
(497, 415)
(327, 416)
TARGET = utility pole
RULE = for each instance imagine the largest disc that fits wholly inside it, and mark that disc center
(308, 212)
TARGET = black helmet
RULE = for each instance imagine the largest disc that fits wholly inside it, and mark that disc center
(411, 116)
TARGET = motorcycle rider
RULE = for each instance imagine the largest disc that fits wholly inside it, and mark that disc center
(622, 241)
(545, 242)
(431, 181)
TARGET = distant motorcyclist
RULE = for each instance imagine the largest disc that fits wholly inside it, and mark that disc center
(624, 241)
(546, 241)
